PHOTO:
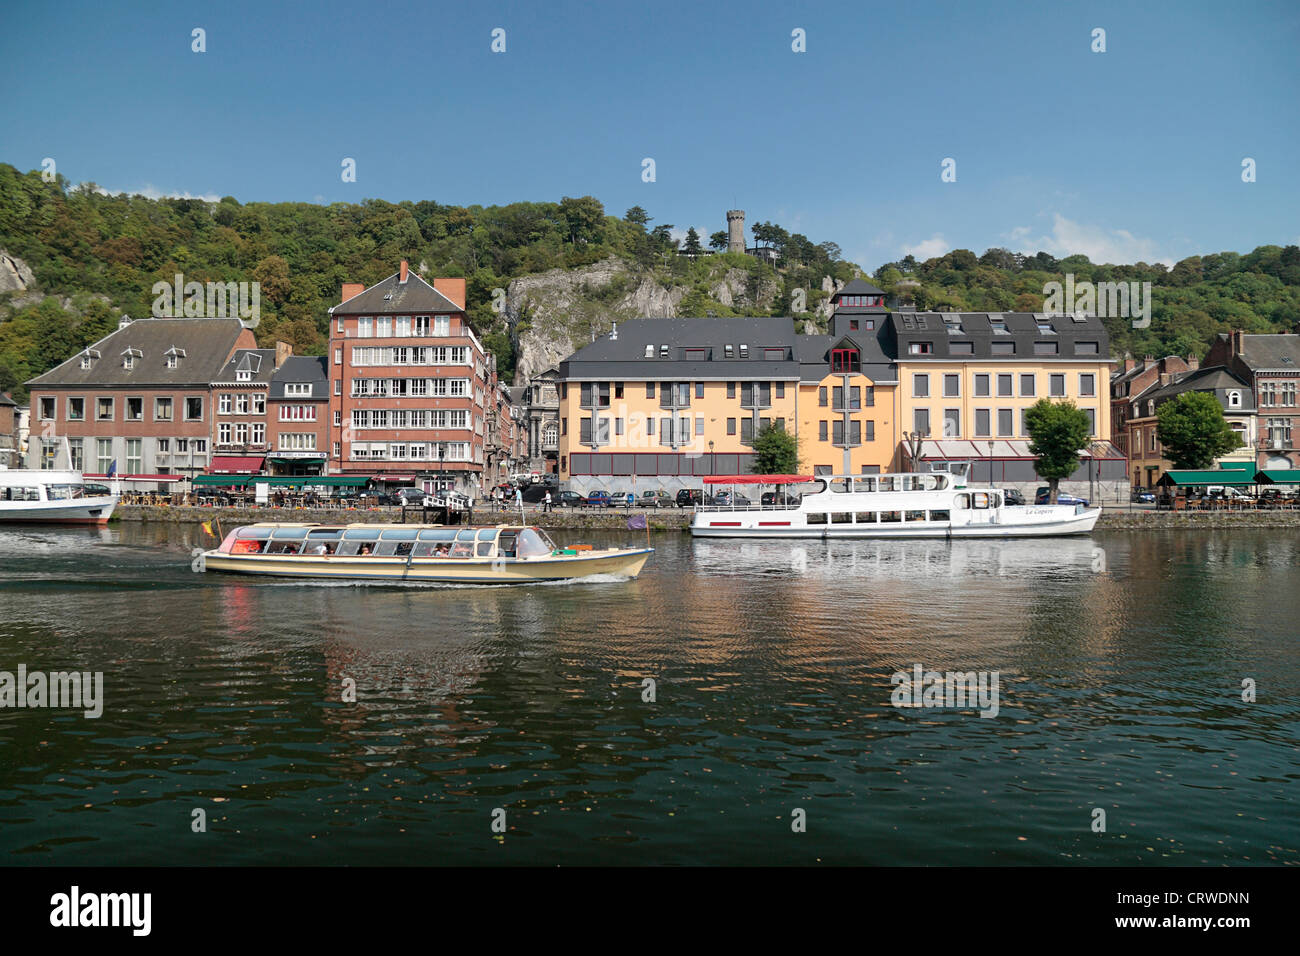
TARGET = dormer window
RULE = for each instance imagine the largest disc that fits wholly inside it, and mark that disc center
(129, 356)
(174, 356)
(663, 351)
(845, 360)
(920, 348)
(243, 375)
(649, 351)
(88, 358)
(729, 351)
(999, 326)
(1151, 406)
(1045, 328)
(1234, 399)
(744, 350)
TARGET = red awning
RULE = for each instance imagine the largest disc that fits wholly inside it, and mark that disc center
(139, 477)
(234, 465)
(394, 477)
(756, 479)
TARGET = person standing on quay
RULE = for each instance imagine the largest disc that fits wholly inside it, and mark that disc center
(547, 508)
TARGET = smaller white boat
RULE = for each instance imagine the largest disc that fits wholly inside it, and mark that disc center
(414, 553)
(904, 505)
(61, 497)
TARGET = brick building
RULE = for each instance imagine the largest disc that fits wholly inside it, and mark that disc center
(298, 417)
(1270, 365)
(9, 453)
(410, 382)
(138, 401)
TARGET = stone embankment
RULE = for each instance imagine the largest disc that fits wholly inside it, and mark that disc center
(667, 519)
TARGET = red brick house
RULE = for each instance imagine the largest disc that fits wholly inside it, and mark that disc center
(1271, 366)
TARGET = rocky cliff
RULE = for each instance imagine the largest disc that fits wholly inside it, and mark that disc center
(552, 314)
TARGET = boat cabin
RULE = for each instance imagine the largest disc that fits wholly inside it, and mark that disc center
(390, 542)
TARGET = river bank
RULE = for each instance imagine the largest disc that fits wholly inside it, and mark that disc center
(668, 519)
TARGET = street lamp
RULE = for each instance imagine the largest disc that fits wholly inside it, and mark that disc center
(442, 454)
(990, 462)
(713, 467)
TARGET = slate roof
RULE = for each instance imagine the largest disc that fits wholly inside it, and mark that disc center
(1215, 378)
(390, 295)
(941, 329)
(858, 287)
(624, 358)
(1271, 351)
(7, 399)
(259, 362)
(299, 369)
(207, 344)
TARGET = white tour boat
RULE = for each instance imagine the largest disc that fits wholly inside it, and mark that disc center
(417, 553)
(57, 496)
(907, 505)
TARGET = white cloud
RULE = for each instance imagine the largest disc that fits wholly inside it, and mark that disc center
(149, 191)
(936, 245)
(1100, 245)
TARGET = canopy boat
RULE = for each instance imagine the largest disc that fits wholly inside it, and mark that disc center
(47, 495)
(904, 505)
(504, 554)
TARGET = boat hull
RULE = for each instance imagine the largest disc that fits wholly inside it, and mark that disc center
(737, 526)
(96, 510)
(625, 563)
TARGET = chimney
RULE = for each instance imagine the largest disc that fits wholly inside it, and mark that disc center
(1148, 360)
(282, 351)
(1166, 378)
(402, 277)
(1193, 362)
(613, 331)
(453, 289)
(1237, 336)
(1130, 363)
(351, 289)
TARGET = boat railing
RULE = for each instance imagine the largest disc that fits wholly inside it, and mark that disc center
(792, 506)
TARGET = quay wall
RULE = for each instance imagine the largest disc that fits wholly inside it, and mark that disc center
(668, 519)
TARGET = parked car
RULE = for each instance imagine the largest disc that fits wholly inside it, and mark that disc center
(1144, 496)
(598, 499)
(778, 498)
(728, 500)
(1012, 496)
(371, 498)
(1042, 495)
(413, 497)
(1222, 491)
(689, 497)
(656, 499)
(570, 499)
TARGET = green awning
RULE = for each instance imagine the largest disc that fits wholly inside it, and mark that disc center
(1279, 477)
(1238, 466)
(1214, 476)
(220, 481)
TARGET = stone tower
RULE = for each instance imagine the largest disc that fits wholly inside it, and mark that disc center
(735, 230)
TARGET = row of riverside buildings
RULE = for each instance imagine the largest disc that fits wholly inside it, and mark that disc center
(408, 394)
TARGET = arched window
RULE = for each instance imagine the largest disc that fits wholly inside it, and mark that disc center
(550, 434)
(1234, 399)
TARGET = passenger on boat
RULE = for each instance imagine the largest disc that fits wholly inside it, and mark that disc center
(321, 549)
(365, 549)
(442, 551)
(248, 547)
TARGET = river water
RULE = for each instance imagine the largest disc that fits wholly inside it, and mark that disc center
(770, 737)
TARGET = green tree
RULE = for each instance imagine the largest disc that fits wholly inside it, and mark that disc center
(692, 244)
(776, 452)
(718, 240)
(637, 216)
(1193, 431)
(1057, 430)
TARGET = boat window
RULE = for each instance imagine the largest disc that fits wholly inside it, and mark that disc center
(887, 483)
(864, 484)
(866, 517)
(247, 546)
(361, 534)
(260, 534)
(842, 517)
(530, 544)
(487, 534)
(996, 501)
(981, 499)
(961, 502)
(891, 517)
(506, 544)
(437, 534)
(59, 492)
(398, 534)
(940, 482)
(294, 534)
(939, 516)
(467, 535)
(818, 486)
(841, 485)
(462, 549)
(914, 515)
(928, 482)
(817, 518)
(485, 549)
(424, 549)
(284, 547)
(325, 534)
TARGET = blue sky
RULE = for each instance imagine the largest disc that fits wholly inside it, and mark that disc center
(1130, 154)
